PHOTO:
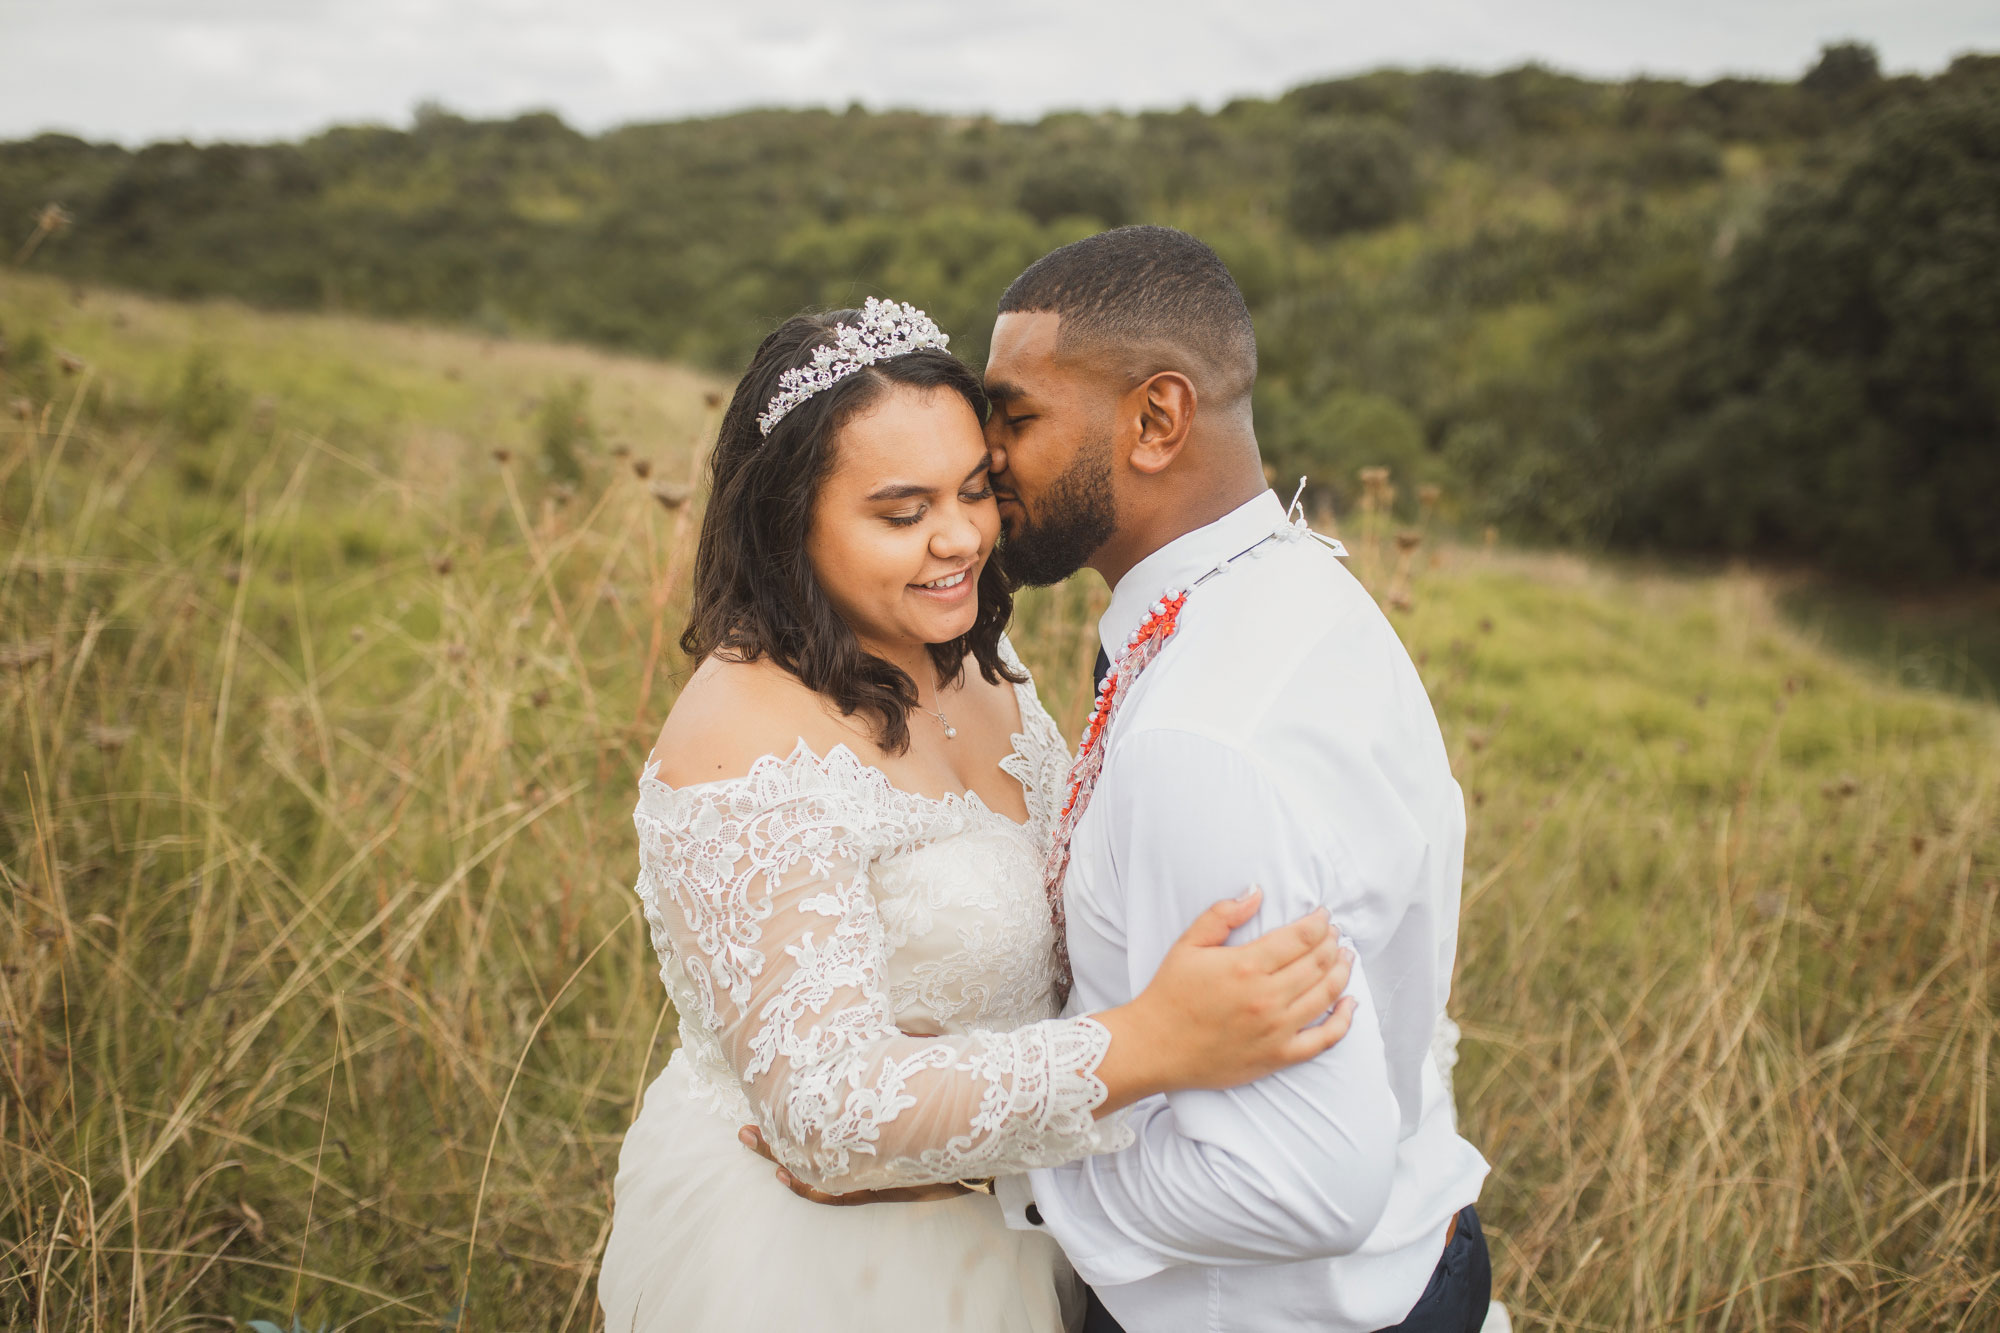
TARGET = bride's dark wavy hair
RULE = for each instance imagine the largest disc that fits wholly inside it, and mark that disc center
(755, 593)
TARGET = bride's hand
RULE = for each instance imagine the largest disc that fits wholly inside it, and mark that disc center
(1217, 1016)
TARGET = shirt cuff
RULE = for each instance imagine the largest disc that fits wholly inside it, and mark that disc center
(1017, 1202)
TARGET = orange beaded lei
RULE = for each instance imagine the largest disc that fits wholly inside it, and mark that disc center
(1144, 645)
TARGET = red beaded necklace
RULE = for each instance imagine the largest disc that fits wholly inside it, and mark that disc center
(1144, 645)
(1140, 649)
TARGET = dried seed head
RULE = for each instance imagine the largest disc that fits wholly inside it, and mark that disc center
(21, 655)
(540, 698)
(1400, 601)
(441, 563)
(621, 450)
(109, 739)
(355, 634)
(503, 456)
(711, 400)
(1409, 539)
(642, 468)
(70, 363)
(21, 408)
(1428, 495)
(669, 495)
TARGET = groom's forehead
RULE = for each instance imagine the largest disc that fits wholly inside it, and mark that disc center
(1023, 350)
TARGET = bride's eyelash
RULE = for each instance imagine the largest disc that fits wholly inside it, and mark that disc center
(985, 492)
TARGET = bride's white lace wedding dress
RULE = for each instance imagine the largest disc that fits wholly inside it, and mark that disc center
(809, 918)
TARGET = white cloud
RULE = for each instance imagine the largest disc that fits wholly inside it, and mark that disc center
(142, 69)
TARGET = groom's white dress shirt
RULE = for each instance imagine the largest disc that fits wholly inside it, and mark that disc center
(1281, 738)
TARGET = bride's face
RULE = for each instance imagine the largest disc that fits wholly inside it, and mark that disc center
(905, 521)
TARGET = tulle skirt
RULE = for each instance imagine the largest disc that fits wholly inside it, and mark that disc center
(704, 1240)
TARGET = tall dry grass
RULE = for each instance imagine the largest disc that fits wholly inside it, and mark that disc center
(324, 992)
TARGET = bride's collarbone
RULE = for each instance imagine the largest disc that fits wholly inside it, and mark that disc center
(730, 715)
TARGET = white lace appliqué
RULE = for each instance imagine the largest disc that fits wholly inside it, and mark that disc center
(809, 916)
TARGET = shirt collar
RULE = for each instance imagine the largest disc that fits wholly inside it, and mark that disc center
(1183, 560)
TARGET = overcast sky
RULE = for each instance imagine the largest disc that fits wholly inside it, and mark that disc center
(135, 70)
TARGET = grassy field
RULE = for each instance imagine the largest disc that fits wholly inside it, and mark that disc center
(328, 654)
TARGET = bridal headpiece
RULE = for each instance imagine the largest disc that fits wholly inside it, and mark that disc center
(887, 328)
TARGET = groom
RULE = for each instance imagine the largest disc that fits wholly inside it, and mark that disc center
(1261, 724)
(1267, 728)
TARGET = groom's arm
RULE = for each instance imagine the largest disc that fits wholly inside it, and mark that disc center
(1294, 1166)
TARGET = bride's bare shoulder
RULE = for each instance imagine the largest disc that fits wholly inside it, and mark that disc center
(731, 714)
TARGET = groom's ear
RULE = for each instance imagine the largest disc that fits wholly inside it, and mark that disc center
(1161, 408)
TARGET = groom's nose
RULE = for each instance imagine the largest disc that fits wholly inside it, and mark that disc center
(996, 450)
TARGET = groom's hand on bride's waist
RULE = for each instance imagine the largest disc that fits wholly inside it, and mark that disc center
(753, 1138)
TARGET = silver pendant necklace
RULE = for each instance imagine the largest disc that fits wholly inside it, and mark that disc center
(950, 732)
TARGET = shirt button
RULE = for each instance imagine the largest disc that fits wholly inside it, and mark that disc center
(1034, 1216)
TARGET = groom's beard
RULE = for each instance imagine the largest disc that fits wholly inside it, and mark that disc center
(1073, 518)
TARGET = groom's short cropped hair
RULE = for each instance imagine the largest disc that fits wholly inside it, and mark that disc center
(1132, 290)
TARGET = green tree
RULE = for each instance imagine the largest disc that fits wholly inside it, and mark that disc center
(1330, 441)
(1843, 70)
(1845, 392)
(1076, 189)
(1351, 175)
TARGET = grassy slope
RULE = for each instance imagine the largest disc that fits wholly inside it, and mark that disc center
(321, 956)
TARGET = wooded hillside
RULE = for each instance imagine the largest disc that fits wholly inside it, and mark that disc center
(1737, 317)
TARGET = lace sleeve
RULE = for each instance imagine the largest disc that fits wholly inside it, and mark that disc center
(764, 895)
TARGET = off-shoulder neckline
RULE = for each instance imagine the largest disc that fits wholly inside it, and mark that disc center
(1024, 700)
(802, 753)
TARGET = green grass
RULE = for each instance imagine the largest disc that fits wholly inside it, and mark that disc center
(324, 992)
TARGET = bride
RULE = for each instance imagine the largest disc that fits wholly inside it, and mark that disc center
(842, 834)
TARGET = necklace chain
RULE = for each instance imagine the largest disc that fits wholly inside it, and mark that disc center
(950, 732)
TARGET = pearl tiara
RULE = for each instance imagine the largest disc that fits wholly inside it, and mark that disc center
(887, 328)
